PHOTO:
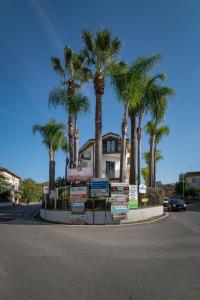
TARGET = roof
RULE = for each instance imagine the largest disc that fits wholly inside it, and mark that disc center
(188, 174)
(90, 142)
(9, 172)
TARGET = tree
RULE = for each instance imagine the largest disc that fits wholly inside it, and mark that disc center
(31, 191)
(53, 136)
(139, 71)
(142, 107)
(99, 51)
(130, 83)
(73, 105)
(158, 96)
(73, 74)
(145, 170)
(60, 182)
(65, 149)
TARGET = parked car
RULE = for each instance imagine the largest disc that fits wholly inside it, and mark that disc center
(175, 204)
(165, 201)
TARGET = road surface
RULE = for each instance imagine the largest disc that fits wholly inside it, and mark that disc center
(160, 260)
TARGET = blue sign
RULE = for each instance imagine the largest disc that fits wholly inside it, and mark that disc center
(99, 185)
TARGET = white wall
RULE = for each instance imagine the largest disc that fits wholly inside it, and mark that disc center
(12, 180)
(102, 217)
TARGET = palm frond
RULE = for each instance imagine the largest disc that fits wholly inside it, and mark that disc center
(57, 66)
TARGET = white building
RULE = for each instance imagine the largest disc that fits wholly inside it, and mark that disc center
(111, 156)
(191, 178)
(12, 179)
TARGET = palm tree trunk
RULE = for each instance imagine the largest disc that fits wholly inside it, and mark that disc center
(154, 180)
(123, 146)
(132, 179)
(51, 169)
(151, 166)
(139, 138)
(70, 91)
(51, 176)
(66, 168)
(71, 143)
(76, 136)
(99, 90)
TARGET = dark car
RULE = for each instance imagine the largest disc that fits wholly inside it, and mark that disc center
(175, 204)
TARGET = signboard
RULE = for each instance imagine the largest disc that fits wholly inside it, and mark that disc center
(46, 190)
(99, 188)
(78, 192)
(133, 197)
(145, 200)
(52, 195)
(77, 219)
(80, 174)
(119, 190)
(142, 189)
(119, 209)
(119, 198)
(119, 216)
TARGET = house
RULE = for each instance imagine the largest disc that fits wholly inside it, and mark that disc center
(111, 147)
(191, 178)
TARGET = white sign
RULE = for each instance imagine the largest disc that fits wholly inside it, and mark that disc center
(79, 174)
(142, 189)
(46, 190)
(52, 195)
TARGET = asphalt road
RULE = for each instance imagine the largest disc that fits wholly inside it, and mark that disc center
(160, 260)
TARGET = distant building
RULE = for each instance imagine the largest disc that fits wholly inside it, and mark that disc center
(191, 178)
(12, 179)
(110, 156)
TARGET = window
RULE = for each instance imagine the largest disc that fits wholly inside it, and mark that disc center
(110, 146)
(110, 169)
(86, 155)
(194, 180)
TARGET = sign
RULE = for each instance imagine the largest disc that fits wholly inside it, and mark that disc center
(142, 189)
(99, 188)
(77, 219)
(145, 200)
(119, 216)
(119, 190)
(133, 197)
(52, 195)
(133, 204)
(46, 190)
(80, 174)
(78, 192)
(119, 209)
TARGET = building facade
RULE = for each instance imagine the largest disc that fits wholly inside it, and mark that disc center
(12, 179)
(111, 148)
(191, 178)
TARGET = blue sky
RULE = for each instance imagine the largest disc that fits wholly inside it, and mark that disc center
(32, 31)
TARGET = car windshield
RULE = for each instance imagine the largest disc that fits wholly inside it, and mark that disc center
(177, 201)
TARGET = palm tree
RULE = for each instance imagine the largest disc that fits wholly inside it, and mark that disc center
(73, 74)
(159, 132)
(53, 135)
(140, 70)
(73, 105)
(80, 104)
(119, 74)
(65, 149)
(158, 96)
(130, 84)
(145, 170)
(99, 51)
(142, 107)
